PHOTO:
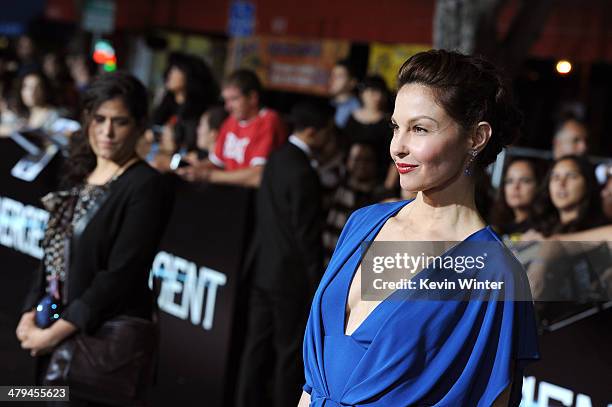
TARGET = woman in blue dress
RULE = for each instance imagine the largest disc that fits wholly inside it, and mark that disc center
(453, 115)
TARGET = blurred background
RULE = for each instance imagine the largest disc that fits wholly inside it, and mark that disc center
(557, 54)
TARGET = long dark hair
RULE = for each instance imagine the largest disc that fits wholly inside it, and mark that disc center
(45, 85)
(546, 218)
(131, 91)
(501, 214)
(202, 91)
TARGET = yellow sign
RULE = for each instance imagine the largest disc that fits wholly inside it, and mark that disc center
(386, 59)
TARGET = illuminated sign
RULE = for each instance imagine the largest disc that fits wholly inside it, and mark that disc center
(186, 290)
(22, 227)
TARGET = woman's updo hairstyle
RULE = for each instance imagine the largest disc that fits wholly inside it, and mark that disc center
(470, 89)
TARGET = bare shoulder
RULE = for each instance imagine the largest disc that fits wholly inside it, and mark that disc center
(391, 230)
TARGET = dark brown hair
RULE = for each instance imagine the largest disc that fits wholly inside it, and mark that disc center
(201, 92)
(546, 216)
(103, 88)
(245, 80)
(377, 83)
(501, 214)
(350, 67)
(44, 83)
(470, 89)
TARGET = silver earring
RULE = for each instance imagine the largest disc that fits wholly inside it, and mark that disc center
(468, 168)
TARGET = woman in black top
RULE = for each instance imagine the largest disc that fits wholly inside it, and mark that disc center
(110, 221)
(370, 123)
(190, 89)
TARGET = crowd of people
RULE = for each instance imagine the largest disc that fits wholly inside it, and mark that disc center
(311, 168)
(200, 123)
(569, 197)
(37, 88)
(539, 199)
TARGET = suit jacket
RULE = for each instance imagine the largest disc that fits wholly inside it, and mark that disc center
(288, 220)
(111, 259)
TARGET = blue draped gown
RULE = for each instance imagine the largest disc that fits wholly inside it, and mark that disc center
(415, 353)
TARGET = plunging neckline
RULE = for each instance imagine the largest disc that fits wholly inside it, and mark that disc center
(383, 303)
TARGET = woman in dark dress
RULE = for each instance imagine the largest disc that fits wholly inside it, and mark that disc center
(189, 90)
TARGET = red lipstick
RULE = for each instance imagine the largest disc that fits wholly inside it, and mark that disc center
(405, 168)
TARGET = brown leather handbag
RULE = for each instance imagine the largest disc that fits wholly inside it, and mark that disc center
(113, 366)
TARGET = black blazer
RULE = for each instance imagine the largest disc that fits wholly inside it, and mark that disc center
(288, 220)
(111, 259)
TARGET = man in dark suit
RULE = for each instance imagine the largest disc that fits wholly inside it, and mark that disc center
(288, 263)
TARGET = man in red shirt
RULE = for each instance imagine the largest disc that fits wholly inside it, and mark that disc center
(246, 138)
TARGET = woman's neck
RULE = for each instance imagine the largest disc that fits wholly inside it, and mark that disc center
(448, 213)
(107, 169)
(180, 97)
(568, 215)
(37, 116)
(39, 109)
(520, 215)
(368, 115)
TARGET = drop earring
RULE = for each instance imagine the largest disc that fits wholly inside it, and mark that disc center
(468, 168)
